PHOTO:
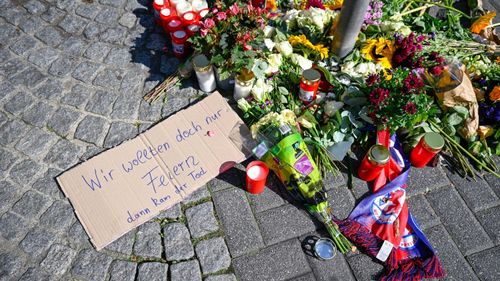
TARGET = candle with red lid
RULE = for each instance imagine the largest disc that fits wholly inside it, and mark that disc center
(189, 18)
(166, 15)
(157, 6)
(179, 38)
(257, 172)
(200, 7)
(174, 24)
(193, 29)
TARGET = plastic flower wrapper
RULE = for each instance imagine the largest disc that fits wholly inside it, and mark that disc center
(282, 148)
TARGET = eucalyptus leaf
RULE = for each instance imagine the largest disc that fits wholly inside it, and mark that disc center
(338, 151)
(462, 111)
(283, 91)
(283, 99)
(454, 119)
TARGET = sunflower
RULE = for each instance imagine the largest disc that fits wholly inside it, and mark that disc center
(482, 22)
(379, 50)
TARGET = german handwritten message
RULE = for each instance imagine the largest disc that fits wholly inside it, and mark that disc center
(127, 185)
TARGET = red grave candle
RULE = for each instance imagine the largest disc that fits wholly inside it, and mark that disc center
(192, 29)
(189, 18)
(309, 84)
(179, 38)
(428, 146)
(373, 163)
(174, 24)
(157, 6)
(203, 12)
(257, 172)
(166, 15)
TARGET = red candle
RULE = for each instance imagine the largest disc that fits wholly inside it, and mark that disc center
(189, 18)
(179, 38)
(157, 6)
(174, 24)
(166, 15)
(203, 12)
(309, 84)
(428, 146)
(373, 163)
(192, 29)
(257, 172)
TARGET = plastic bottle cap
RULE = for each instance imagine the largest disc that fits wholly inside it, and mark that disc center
(434, 140)
(379, 153)
(311, 75)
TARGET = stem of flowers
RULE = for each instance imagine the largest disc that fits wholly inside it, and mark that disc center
(444, 6)
(457, 145)
(424, 7)
(493, 25)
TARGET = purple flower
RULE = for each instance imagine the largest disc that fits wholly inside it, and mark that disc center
(373, 13)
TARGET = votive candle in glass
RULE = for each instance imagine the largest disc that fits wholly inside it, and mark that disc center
(193, 29)
(309, 84)
(428, 146)
(174, 3)
(189, 18)
(199, 5)
(204, 73)
(179, 38)
(157, 6)
(373, 163)
(166, 15)
(257, 172)
(174, 24)
(243, 84)
(183, 8)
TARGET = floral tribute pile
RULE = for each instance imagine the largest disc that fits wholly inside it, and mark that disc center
(418, 88)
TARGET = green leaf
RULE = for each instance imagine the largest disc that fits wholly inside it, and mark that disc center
(283, 91)
(454, 119)
(464, 112)
(283, 99)
(497, 150)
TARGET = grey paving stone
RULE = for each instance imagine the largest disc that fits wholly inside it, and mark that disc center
(485, 264)
(77, 236)
(201, 220)
(73, 46)
(36, 142)
(97, 51)
(92, 129)
(476, 193)
(50, 90)
(23, 45)
(58, 217)
(422, 211)
(123, 244)
(78, 96)
(50, 36)
(109, 78)
(93, 30)
(188, 270)
(213, 255)
(6, 159)
(132, 84)
(152, 271)
(87, 10)
(25, 171)
(43, 57)
(31, 24)
(31, 205)
(101, 102)
(128, 20)
(7, 89)
(177, 100)
(269, 198)
(459, 221)
(85, 71)
(150, 112)
(58, 259)
(148, 240)
(198, 195)
(12, 226)
(114, 35)
(12, 67)
(108, 16)
(52, 15)
(73, 24)
(63, 154)
(168, 64)
(38, 114)
(455, 266)
(489, 220)
(334, 269)
(125, 108)
(264, 265)
(35, 7)
(8, 195)
(222, 277)
(156, 42)
(10, 264)
(122, 271)
(171, 213)
(8, 33)
(331, 181)
(177, 242)
(5, 55)
(119, 132)
(34, 274)
(19, 103)
(341, 201)
(423, 180)
(37, 242)
(63, 66)
(91, 265)
(63, 120)
(48, 185)
(30, 77)
(119, 57)
(306, 277)
(360, 188)
(235, 176)
(364, 268)
(240, 227)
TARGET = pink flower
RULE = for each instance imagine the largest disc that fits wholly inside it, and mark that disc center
(208, 23)
(215, 10)
(234, 9)
(203, 32)
(221, 16)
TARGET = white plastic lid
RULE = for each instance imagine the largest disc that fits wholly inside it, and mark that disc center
(179, 34)
(165, 12)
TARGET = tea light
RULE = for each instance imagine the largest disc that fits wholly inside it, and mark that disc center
(174, 24)
(257, 172)
(192, 29)
(189, 18)
(204, 73)
(166, 15)
(183, 8)
(174, 3)
(179, 38)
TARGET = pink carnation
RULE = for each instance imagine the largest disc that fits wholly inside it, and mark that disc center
(234, 9)
(208, 23)
(221, 16)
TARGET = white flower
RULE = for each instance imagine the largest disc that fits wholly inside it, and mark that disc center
(317, 17)
(268, 31)
(301, 61)
(304, 122)
(285, 48)
(274, 61)
(331, 107)
(269, 44)
(288, 115)
(259, 90)
(243, 105)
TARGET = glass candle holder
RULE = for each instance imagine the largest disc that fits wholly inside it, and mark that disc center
(243, 84)
(174, 24)
(257, 172)
(179, 38)
(199, 5)
(189, 18)
(446, 77)
(428, 146)
(373, 163)
(203, 12)
(204, 73)
(166, 15)
(192, 29)
(157, 6)
(309, 84)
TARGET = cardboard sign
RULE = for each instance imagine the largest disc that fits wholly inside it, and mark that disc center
(127, 185)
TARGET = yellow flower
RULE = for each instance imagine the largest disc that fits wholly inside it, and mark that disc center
(485, 131)
(297, 39)
(495, 94)
(379, 50)
(498, 60)
(302, 41)
(482, 22)
(321, 50)
(334, 4)
(368, 47)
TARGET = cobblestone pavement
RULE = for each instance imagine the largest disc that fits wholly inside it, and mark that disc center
(72, 75)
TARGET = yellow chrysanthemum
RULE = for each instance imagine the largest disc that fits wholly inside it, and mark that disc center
(334, 4)
(482, 22)
(321, 50)
(379, 50)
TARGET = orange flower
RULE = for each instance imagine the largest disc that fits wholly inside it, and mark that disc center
(498, 60)
(495, 94)
(482, 22)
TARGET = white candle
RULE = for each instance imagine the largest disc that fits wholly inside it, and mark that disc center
(199, 5)
(174, 3)
(183, 7)
(241, 90)
(204, 73)
(255, 172)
